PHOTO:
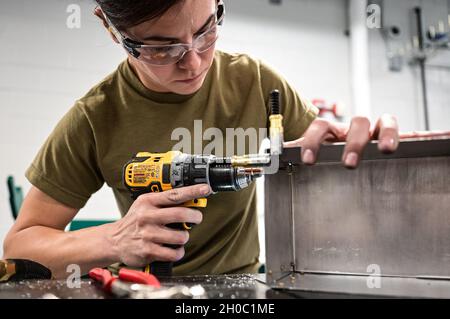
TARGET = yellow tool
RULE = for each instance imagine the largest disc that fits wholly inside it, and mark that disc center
(159, 172)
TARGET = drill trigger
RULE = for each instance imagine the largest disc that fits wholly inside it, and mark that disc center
(197, 202)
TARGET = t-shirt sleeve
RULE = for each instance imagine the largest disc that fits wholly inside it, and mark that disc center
(298, 112)
(66, 166)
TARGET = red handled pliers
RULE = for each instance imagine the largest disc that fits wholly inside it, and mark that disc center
(111, 283)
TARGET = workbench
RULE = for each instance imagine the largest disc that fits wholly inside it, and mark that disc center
(246, 286)
(217, 287)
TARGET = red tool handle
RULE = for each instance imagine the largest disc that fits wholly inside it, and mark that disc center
(138, 277)
(104, 276)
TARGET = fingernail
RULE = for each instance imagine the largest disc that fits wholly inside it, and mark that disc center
(351, 159)
(308, 157)
(205, 189)
(388, 142)
(387, 145)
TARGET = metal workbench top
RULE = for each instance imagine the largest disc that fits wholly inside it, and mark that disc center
(217, 287)
(246, 286)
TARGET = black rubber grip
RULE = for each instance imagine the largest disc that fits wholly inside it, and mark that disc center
(161, 268)
(275, 102)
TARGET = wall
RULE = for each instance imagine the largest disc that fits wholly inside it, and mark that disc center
(304, 40)
(44, 68)
(400, 92)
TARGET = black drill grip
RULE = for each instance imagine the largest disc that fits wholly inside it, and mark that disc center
(164, 268)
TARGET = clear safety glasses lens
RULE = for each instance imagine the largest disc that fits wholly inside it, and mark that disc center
(170, 54)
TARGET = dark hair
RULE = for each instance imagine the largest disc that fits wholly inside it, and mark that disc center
(128, 13)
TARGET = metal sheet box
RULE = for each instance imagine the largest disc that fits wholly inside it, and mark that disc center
(382, 229)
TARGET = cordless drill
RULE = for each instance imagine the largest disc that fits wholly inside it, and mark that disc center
(158, 172)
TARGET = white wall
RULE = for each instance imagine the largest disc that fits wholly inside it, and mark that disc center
(45, 66)
(303, 39)
(400, 93)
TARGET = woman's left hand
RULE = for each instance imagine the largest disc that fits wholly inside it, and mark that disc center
(356, 135)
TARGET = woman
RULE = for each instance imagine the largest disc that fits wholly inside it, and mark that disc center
(172, 76)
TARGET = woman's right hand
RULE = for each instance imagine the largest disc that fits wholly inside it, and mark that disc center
(142, 236)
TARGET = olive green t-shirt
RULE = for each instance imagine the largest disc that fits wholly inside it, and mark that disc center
(120, 117)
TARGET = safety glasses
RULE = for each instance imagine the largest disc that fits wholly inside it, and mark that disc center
(171, 53)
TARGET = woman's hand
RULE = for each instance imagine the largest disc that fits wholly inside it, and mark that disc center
(356, 135)
(142, 236)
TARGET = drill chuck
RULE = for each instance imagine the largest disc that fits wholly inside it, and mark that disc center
(217, 172)
(228, 179)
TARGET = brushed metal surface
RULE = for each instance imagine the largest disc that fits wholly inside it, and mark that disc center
(414, 148)
(277, 223)
(388, 287)
(391, 215)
